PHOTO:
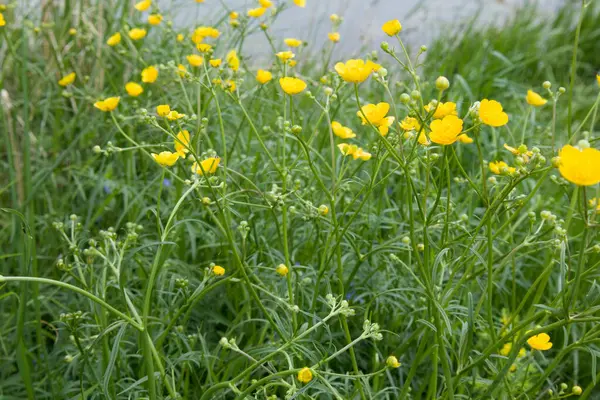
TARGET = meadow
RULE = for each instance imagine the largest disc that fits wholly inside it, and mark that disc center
(182, 220)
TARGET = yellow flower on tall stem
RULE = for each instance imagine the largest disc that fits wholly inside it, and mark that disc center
(108, 104)
(143, 5)
(491, 113)
(580, 166)
(285, 55)
(114, 40)
(446, 131)
(163, 110)
(535, 99)
(293, 42)
(501, 168)
(540, 342)
(256, 12)
(232, 60)
(292, 86)
(149, 74)
(341, 131)
(442, 109)
(376, 115)
(165, 158)
(356, 71)
(300, 3)
(392, 27)
(155, 19)
(67, 79)
(137, 33)
(195, 60)
(134, 89)
(334, 36)
(182, 143)
(263, 76)
(208, 166)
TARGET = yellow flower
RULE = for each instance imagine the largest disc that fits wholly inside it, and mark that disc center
(334, 36)
(501, 168)
(155, 19)
(208, 166)
(581, 167)
(285, 55)
(334, 18)
(232, 60)
(305, 374)
(195, 60)
(216, 63)
(199, 1)
(292, 63)
(137, 33)
(256, 12)
(376, 115)
(203, 32)
(263, 76)
(174, 115)
(598, 79)
(230, 85)
(265, 3)
(282, 269)
(108, 104)
(149, 74)
(180, 37)
(465, 139)
(67, 79)
(217, 269)
(114, 39)
(505, 351)
(163, 110)
(182, 143)
(181, 70)
(354, 151)
(595, 204)
(293, 42)
(392, 362)
(540, 342)
(522, 151)
(2, 20)
(143, 5)
(300, 3)
(445, 131)
(342, 132)
(392, 27)
(134, 89)
(410, 124)
(204, 47)
(165, 158)
(292, 86)
(72, 31)
(535, 99)
(233, 15)
(442, 110)
(490, 113)
(356, 71)
(423, 140)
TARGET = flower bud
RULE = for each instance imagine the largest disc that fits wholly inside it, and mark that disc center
(392, 362)
(577, 390)
(442, 83)
(404, 98)
(415, 95)
(546, 85)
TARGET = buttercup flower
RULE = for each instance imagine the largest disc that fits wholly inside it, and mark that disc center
(203, 32)
(300, 3)
(442, 110)
(181, 70)
(137, 33)
(392, 27)
(465, 139)
(149, 74)
(305, 374)
(285, 55)
(174, 115)
(293, 42)
(540, 342)
(2, 20)
(354, 151)
(445, 131)
(282, 269)
(356, 71)
(410, 124)
(342, 131)
(155, 19)
(204, 47)
(165, 158)
(501, 168)
(143, 5)
(256, 12)
(67, 79)
(334, 36)
(195, 60)
(182, 143)
(134, 89)
(505, 351)
(72, 31)
(263, 76)
(580, 166)
(208, 166)
(216, 62)
(163, 110)
(376, 115)
(232, 60)
(423, 140)
(180, 37)
(292, 86)
(265, 3)
(490, 113)
(114, 39)
(392, 362)
(535, 99)
(108, 104)
(218, 270)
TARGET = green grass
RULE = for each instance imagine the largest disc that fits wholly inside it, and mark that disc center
(106, 289)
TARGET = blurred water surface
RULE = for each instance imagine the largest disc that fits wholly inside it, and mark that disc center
(422, 20)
